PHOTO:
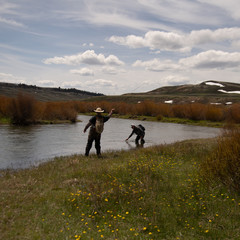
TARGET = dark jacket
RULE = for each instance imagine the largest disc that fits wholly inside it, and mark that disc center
(138, 131)
(93, 119)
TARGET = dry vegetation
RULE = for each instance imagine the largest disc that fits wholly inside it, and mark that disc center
(223, 163)
(24, 109)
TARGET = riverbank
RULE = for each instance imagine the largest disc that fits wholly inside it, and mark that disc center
(152, 193)
(202, 123)
(8, 121)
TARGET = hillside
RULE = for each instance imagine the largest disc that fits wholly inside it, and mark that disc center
(45, 94)
(211, 88)
(206, 92)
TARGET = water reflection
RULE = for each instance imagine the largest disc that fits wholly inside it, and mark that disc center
(22, 147)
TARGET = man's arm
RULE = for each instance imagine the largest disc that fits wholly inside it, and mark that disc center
(106, 118)
(111, 112)
(87, 126)
(130, 135)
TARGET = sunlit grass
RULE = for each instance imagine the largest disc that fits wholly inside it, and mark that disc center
(152, 193)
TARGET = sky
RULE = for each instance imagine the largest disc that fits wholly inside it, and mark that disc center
(115, 47)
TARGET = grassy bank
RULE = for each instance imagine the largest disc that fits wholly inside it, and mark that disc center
(173, 120)
(152, 193)
(142, 118)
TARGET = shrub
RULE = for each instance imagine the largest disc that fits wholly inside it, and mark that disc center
(195, 111)
(59, 111)
(4, 106)
(234, 113)
(214, 113)
(22, 109)
(224, 162)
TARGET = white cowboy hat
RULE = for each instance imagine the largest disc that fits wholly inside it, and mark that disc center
(98, 110)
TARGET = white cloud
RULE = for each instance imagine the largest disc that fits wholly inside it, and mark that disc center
(6, 77)
(101, 83)
(72, 84)
(236, 44)
(46, 83)
(88, 57)
(109, 70)
(157, 65)
(166, 41)
(212, 60)
(205, 60)
(208, 36)
(101, 86)
(82, 72)
(175, 80)
(171, 41)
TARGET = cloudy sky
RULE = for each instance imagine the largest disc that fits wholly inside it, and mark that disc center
(115, 47)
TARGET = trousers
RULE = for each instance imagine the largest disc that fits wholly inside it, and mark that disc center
(93, 136)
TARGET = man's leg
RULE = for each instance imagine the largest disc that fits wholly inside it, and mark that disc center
(89, 143)
(98, 144)
(136, 140)
(142, 139)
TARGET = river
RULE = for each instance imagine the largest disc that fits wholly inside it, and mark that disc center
(23, 147)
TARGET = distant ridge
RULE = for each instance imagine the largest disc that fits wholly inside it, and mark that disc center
(210, 91)
(210, 87)
(44, 93)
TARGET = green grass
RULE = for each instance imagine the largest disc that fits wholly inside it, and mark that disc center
(142, 118)
(152, 193)
(173, 120)
(4, 120)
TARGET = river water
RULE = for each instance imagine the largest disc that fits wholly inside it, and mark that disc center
(23, 147)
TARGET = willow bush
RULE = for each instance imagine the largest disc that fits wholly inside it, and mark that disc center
(25, 109)
(22, 109)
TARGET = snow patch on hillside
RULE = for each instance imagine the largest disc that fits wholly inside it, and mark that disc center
(214, 84)
(221, 90)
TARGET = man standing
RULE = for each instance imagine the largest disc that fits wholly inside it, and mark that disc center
(140, 132)
(97, 125)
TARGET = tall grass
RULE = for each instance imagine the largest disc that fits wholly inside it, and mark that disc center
(223, 163)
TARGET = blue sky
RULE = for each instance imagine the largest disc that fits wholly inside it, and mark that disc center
(115, 47)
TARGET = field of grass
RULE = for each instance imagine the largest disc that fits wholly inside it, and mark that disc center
(152, 193)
